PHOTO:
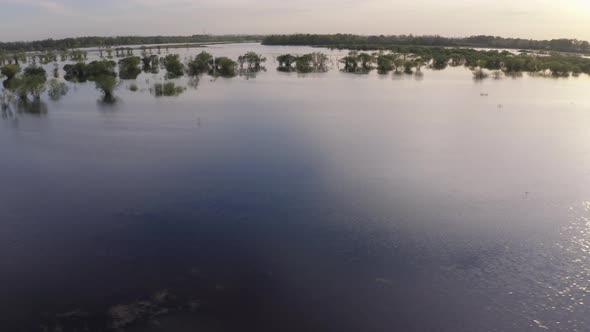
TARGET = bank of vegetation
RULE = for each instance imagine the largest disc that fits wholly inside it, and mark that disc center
(371, 42)
(83, 42)
(409, 59)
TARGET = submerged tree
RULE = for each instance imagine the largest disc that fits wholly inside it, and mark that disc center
(10, 71)
(173, 65)
(107, 85)
(81, 72)
(356, 62)
(253, 60)
(129, 68)
(306, 63)
(32, 82)
(350, 62)
(6, 99)
(319, 62)
(167, 89)
(385, 63)
(57, 89)
(224, 67)
(286, 62)
(201, 64)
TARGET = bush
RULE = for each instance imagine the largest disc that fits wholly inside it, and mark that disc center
(173, 66)
(167, 89)
(57, 89)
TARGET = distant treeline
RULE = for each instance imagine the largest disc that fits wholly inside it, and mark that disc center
(375, 42)
(81, 42)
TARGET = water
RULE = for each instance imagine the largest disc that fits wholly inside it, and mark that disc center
(326, 202)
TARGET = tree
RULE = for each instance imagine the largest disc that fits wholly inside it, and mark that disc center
(173, 66)
(319, 61)
(129, 68)
(10, 71)
(57, 89)
(167, 89)
(253, 60)
(366, 61)
(107, 85)
(350, 62)
(303, 63)
(201, 64)
(225, 67)
(32, 81)
(286, 62)
(385, 62)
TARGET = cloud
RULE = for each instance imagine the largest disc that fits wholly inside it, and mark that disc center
(52, 7)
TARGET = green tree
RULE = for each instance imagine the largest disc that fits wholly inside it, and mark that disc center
(201, 64)
(129, 68)
(107, 85)
(10, 71)
(286, 62)
(57, 89)
(173, 66)
(225, 67)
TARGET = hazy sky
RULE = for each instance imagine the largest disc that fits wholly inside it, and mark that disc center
(539, 19)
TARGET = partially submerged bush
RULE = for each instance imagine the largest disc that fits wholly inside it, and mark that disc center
(6, 98)
(173, 66)
(81, 72)
(253, 60)
(129, 68)
(133, 87)
(356, 62)
(10, 71)
(201, 64)
(479, 74)
(167, 89)
(225, 67)
(306, 63)
(57, 89)
(32, 82)
(107, 85)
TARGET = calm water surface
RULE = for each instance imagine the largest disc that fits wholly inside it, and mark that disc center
(286, 202)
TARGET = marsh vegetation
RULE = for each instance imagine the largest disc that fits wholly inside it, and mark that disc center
(25, 74)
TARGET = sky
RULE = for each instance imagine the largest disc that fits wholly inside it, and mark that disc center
(537, 19)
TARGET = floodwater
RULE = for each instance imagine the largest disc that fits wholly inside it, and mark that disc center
(286, 202)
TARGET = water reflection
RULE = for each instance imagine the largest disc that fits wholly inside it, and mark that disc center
(33, 107)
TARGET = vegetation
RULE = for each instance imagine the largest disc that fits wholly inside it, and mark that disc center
(201, 64)
(225, 67)
(356, 62)
(32, 82)
(10, 71)
(312, 62)
(82, 72)
(371, 42)
(151, 63)
(57, 89)
(83, 42)
(129, 68)
(133, 87)
(107, 85)
(6, 98)
(286, 62)
(174, 67)
(253, 61)
(167, 89)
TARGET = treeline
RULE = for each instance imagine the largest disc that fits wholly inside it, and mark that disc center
(81, 42)
(349, 40)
